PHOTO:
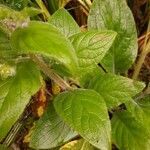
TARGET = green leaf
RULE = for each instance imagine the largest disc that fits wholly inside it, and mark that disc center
(115, 89)
(140, 109)
(63, 21)
(4, 89)
(129, 134)
(50, 131)
(115, 15)
(85, 111)
(16, 94)
(5, 46)
(85, 77)
(43, 38)
(61, 70)
(7, 12)
(91, 47)
(30, 11)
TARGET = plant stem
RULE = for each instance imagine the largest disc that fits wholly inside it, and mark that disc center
(83, 145)
(46, 13)
(50, 73)
(145, 51)
(16, 127)
(10, 137)
(88, 3)
(84, 6)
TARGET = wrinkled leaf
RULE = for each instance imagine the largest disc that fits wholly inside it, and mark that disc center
(50, 131)
(129, 134)
(43, 38)
(62, 20)
(115, 15)
(115, 89)
(85, 111)
(16, 94)
(91, 47)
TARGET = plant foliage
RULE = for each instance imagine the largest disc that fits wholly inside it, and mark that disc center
(102, 109)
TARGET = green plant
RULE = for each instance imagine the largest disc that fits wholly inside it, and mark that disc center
(103, 109)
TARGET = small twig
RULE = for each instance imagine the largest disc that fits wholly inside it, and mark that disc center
(102, 67)
(15, 147)
(20, 59)
(16, 128)
(142, 37)
(46, 13)
(84, 145)
(88, 3)
(84, 6)
(12, 134)
(50, 73)
(142, 56)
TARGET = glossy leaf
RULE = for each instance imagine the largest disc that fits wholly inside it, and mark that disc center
(85, 111)
(16, 95)
(91, 47)
(43, 38)
(62, 20)
(50, 131)
(115, 89)
(129, 134)
(115, 15)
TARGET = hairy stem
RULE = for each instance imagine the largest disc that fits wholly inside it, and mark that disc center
(50, 73)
